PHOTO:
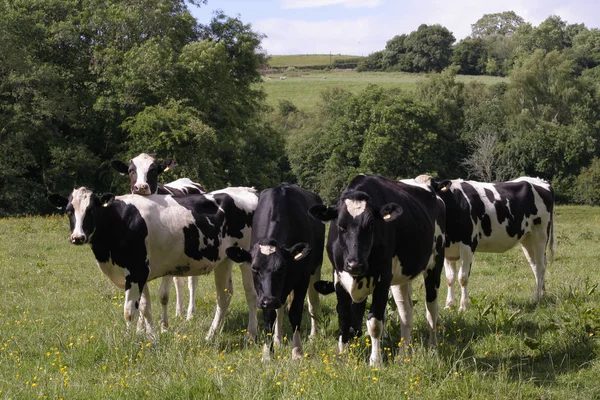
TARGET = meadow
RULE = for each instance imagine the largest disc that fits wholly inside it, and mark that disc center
(62, 333)
(303, 88)
(303, 60)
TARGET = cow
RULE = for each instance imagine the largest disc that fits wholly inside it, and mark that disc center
(286, 253)
(143, 171)
(493, 218)
(136, 239)
(385, 233)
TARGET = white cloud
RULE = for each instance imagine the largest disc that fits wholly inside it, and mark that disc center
(351, 36)
(287, 4)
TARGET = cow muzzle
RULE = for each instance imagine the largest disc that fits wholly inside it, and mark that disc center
(354, 268)
(141, 188)
(268, 303)
(78, 239)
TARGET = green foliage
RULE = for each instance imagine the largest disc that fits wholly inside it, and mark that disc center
(471, 56)
(587, 186)
(504, 24)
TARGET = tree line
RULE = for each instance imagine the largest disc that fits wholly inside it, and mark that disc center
(83, 82)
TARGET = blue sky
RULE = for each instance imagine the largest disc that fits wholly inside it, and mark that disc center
(360, 27)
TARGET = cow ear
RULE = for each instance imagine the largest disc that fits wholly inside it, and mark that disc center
(297, 252)
(58, 201)
(167, 164)
(324, 287)
(105, 200)
(120, 167)
(389, 212)
(323, 213)
(238, 255)
(444, 186)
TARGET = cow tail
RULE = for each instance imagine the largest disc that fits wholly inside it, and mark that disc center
(552, 241)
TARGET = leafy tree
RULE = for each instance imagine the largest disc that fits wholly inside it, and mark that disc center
(505, 24)
(471, 56)
(429, 48)
(587, 185)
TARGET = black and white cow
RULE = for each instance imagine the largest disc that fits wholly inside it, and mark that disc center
(136, 239)
(286, 254)
(385, 233)
(493, 218)
(143, 171)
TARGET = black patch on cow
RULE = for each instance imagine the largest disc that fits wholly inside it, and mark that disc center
(486, 225)
(490, 195)
(537, 221)
(360, 285)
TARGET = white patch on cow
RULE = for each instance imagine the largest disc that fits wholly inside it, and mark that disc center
(397, 277)
(267, 250)
(352, 285)
(419, 182)
(245, 198)
(209, 222)
(115, 273)
(355, 207)
(142, 164)
(80, 200)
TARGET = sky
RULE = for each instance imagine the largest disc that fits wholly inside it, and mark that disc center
(360, 27)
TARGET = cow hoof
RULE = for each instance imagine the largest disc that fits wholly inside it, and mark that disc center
(463, 308)
(449, 306)
(297, 354)
(249, 338)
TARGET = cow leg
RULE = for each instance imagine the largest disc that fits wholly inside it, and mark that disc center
(271, 319)
(251, 299)
(344, 311)
(466, 257)
(402, 297)
(432, 284)
(375, 322)
(278, 329)
(179, 284)
(314, 303)
(133, 294)
(358, 313)
(534, 247)
(224, 287)
(192, 286)
(295, 315)
(450, 268)
(146, 313)
(163, 297)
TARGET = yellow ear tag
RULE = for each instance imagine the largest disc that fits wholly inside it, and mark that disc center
(387, 216)
(444, 188)
(105, 205)
(297, 256)
(166, 169)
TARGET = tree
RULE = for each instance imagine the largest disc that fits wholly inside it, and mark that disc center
(471, 56)
(429, 48)
(504, 24)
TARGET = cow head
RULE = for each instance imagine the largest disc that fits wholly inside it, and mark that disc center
(355, 218)
(81, 207)
(143, 172)
(270, 265)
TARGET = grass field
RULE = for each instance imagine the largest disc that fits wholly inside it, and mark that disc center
(62, 333)
(302, 60)
(303, 88)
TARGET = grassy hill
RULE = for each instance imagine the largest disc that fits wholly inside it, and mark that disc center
(303, 87)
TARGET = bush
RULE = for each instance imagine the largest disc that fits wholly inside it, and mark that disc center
(587, 185)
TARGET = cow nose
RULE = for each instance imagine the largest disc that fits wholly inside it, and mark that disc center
(141, 188)
(268, 303)
(354, 267)
(78, 239)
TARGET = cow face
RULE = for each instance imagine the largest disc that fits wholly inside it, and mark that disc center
(356, 218)
(80, 207)
(271, 264)
(143, 172)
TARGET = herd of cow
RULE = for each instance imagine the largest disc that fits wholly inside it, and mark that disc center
(384, 233)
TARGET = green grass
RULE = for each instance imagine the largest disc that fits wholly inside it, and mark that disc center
(302, 60)
(303, 88)
(62, 333)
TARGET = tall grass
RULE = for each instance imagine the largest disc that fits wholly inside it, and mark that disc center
(62, 333)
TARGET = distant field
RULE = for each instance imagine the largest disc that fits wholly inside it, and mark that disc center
(301, 60)
(303, 88)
